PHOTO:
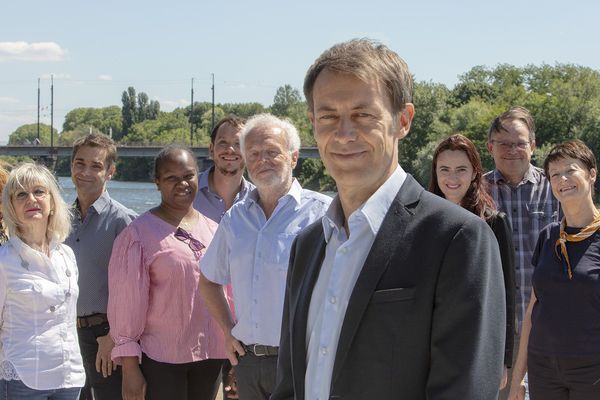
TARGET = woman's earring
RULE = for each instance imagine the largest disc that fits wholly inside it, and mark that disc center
(51, 212)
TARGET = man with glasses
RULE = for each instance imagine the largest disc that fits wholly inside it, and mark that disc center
(98, 219)
(522, 191)
(251, 250)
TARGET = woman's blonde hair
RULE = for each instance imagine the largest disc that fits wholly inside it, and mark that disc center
(24, 177)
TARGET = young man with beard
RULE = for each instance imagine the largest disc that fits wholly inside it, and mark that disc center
(221, 186)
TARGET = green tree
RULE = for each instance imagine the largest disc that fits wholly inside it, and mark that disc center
(27, 134)
(106, 120)
(128, 110)
(285, 98)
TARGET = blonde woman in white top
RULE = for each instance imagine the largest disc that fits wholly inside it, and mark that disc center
(39, 351)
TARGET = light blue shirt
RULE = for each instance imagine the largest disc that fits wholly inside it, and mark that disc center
(252, 253)
(210, 203)
(343, 262)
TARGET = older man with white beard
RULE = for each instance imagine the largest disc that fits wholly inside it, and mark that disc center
(251, 251)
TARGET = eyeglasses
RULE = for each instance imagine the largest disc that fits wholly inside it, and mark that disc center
(184, 236)
(510, 145)
(23, 195)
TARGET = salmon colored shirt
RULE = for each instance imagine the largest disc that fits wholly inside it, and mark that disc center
(154, 303)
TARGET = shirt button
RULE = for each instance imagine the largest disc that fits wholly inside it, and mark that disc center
(324, 350)
(68, 273)
(52, 308)
(332, 300)
(77, 240)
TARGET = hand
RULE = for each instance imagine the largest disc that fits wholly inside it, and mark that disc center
(104, 364)
(504, 379)
(517, 392)
(229, 385)
(134, 384)
(233, 346)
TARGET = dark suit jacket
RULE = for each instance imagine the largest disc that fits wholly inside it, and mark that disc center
(426, 318)
(503, 232)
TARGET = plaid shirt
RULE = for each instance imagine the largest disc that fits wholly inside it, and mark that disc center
(530, 206)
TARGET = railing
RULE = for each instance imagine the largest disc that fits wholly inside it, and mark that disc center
(122, 151)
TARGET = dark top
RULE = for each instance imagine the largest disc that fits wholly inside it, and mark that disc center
(566, 317)
(502, 230)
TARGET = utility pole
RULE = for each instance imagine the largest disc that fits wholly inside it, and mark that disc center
(38, 112)
(213, 102)
(51, 112)
(191, 117)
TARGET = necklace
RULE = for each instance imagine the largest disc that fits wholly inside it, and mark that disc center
(187, 222)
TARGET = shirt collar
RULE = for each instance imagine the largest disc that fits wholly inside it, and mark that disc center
(203, 182)
(530, 176)
(99, 205)
(24, 250)
(295, 193)
(203, 179)
(374, 209)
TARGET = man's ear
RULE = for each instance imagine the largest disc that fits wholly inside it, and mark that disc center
(211, 151)
(295, 156)
(311, 117)
(403, 120)
(111, 171)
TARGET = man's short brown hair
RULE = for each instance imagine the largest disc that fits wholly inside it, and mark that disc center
(366, 59)
(517, 113)
(231, 119)
(97, 140)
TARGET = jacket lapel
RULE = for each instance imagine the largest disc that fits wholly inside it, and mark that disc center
(313, 259)
(389, 240)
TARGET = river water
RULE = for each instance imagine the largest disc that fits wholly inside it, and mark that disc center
(138, 196)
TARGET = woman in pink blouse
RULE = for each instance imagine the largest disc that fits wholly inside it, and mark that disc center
(156, 313)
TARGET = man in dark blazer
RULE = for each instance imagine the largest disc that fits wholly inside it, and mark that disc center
(396, 293)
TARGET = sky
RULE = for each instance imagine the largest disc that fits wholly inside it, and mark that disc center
(96, 49)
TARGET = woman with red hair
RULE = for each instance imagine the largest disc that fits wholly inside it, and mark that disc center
(457, 175)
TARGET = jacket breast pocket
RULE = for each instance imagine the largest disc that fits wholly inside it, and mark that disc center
(393, 295)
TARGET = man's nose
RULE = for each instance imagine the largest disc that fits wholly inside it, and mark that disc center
(346, 130)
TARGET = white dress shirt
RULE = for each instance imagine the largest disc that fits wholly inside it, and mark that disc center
(343, 262)
(38, 335)
(252, 253)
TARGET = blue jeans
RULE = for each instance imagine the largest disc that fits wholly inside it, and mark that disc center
(16, 390)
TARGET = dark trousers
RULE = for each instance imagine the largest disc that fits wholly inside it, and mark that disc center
(563, 378)
(101, 387)
(190, 381)
(255, 376)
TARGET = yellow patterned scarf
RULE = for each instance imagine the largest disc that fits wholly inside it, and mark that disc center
(576, 237)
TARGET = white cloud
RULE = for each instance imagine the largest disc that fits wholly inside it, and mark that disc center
(36, 52)
(105, 78)
(8, 100)
(57, 76)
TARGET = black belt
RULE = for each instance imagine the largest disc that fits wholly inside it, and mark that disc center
(261, 350)
(91, 320)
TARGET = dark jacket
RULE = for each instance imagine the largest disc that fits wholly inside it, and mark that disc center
(426, 318)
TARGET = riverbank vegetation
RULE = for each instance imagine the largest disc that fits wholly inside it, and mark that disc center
(563, 98)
